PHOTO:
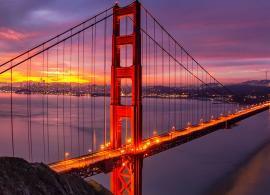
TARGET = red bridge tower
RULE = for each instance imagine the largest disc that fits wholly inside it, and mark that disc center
(126, 179)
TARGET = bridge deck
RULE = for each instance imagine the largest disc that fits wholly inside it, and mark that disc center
(104, 160)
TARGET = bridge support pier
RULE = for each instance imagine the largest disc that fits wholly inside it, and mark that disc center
(126, 178)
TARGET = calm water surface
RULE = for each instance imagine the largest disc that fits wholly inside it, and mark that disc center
(211, 164)
(215, 164)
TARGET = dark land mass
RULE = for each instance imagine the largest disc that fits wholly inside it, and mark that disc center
(17, 176)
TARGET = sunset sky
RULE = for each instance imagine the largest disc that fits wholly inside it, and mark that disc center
(229, 38)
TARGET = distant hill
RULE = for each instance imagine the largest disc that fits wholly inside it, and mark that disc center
(245, 89)
(252, 87)
(265, 83)
(252, 91)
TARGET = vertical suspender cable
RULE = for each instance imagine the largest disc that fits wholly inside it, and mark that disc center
(206, 92)
(192, 93)
(146, 88)
(47, 109)
(63, 100)
(57, 101)
(155, 74)
(94, 73)
(169, 124)
(27, 108)
(11, 109)
(224, 100)
(174, 85)
(95, 48)
(30, 113)
(92, 111)
(188, 92)
(203, 96)
(83, 105)
(210, 98)
(162, 56)
(70, 94)
(181, 87)
(177, 91)
(105, 82)
(43, 105)
(78, 96)
(88, 88)
(197, 94)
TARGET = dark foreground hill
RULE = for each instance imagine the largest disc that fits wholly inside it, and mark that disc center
(20, 177)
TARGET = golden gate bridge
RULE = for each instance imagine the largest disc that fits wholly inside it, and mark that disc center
(109, 92)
